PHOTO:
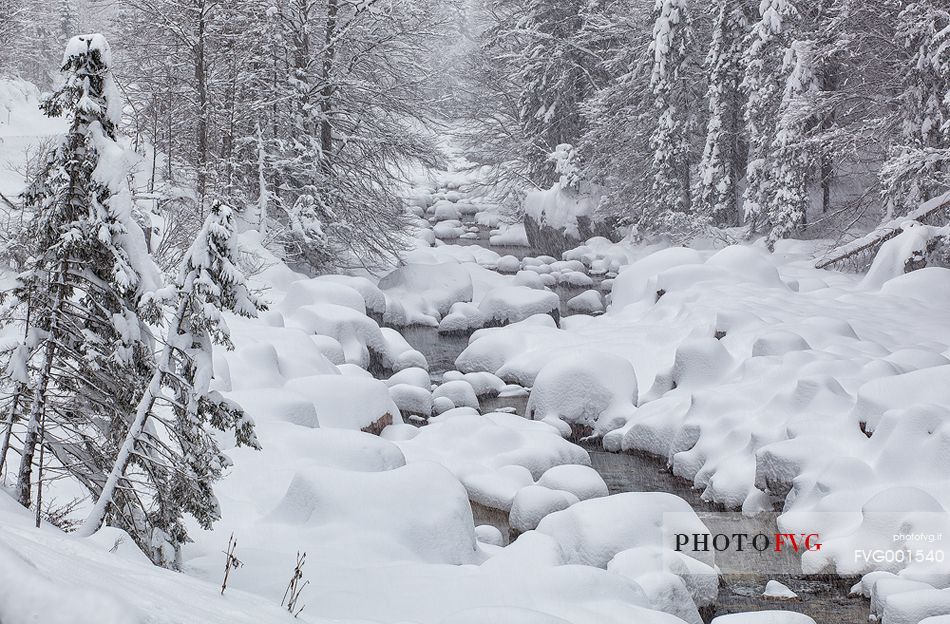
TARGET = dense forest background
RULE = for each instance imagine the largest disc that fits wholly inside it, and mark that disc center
(784, 118)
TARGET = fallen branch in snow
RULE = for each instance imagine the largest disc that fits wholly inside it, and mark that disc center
(9, 203)
(884, 232)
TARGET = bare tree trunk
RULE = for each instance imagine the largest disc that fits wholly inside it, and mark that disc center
(327, 92)
(37, 411)
(201, 92)
(39, 479)
(139, 420)
(39, 390)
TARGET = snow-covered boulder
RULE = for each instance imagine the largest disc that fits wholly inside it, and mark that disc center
(588, 389)
(588, 302)
(530, 279)
(357, 333)
(777, 591)
(511, 235)
(345, 507)
(508, 264)
(493, 455)
(425, 292)
(462, 317)
(700, 579)
(582, 481)
(418, 377)
(592, 532)
(348, 402)
(459, 392)
(516, 303)
(411, 399)
(308, 292)
(484, 384)
(533, 502)
(446, 211)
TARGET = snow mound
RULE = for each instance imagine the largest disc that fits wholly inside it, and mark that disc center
(411, 399)
(516, 303)
(587, 388)
(357, 333)
(777, 591)
(322, 505)
(373, 298)
(588, 302)
(413, 376)
(425, 292)
(482, 450)
(532, 503)
(511, 235)
(484, 384)
(459, 392)
(582, 481)
(701, 580)
(462, 317)
(347, 402)
(592, 532)
(308, 292)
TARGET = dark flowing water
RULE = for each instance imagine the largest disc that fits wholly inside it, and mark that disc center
(825, 600)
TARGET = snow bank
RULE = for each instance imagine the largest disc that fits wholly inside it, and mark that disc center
(323, 502)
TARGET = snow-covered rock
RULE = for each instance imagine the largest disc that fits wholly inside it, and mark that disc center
(459, 392)
(582, 481)
(411, 399)
(532, 503)
(586, 388)
(777, 591)
(516, 303)
(588, 302)
(347, 402)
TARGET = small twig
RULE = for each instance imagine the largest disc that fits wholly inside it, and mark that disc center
(231, 563)
(295, 587)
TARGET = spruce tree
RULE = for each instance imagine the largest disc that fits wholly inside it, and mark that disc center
(793, 157)
(717, 194)
(178, 454)
(669, 82)
(762, 84)
(916, 168)
(84, 280)
(556, 74)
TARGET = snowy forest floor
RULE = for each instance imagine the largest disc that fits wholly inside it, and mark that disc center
(482, 434)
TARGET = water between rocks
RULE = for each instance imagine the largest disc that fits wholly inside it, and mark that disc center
(825, 600)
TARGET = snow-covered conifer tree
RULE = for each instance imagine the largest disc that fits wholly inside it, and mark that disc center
(717, 192)
(178, 453)
(916, 168)
(792, 159)
(84, 280)
(556, 74)
(762, 84)
(669, 82)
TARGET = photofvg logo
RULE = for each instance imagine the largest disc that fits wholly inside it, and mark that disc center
(815, 543)
(739, 542)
